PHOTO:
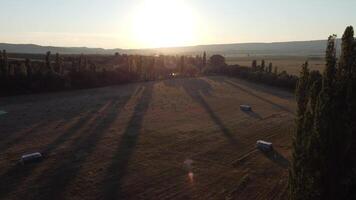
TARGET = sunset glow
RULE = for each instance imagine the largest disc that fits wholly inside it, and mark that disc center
(163, 23)
(136, 24)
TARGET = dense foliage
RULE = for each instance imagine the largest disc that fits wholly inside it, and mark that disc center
(324, 163)
(55, 72)
(258, 73)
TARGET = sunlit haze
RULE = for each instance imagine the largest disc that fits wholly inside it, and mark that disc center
(165, 23)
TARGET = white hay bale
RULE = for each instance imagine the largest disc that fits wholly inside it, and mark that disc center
(245, 108)
(2, 112)
(264, 146)
(32, 157)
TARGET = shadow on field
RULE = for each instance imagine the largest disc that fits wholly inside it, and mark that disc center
(59, 172)
(36, 120)
(112, 186)
(277, 158)
(10, 140)
(197, 89)
(253, 114)
(275, 91)
(12, 178)
(236, 85)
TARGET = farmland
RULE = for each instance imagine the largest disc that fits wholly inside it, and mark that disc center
(290, 64)
(172, 139)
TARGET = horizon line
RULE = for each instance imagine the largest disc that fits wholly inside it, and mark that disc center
(155, 48)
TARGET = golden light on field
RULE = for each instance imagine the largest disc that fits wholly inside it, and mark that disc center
(163, 23)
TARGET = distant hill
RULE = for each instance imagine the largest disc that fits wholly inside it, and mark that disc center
(37, 49)
(301, 48)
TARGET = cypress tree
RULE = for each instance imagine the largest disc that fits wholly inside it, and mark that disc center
(347, 47)
(263, 65)
(5, 63)
(352, 113)
(323, 156)
(315, 80)
(275, 70)
(297, 181)
(270, 67)
(48, 62)
(204, 59)
(85, 63)
(182, 65)
(327, 127)
(1, 66)
(80, 62)
(254, 65)
(347, 93)
(311, 140)
(335, 123)
(58, 64)
(28, 68)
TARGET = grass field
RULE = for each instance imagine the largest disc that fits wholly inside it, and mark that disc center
(288, 63)
(174, 139)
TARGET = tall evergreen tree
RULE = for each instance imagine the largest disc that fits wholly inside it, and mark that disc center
(5, 63)
(324, 147)
(254, 65)
(347, 47)
(275, 71)
(263, 65)
(346, 92)
(326, 127)
(2, 73)
(58, 64)
(352, 113)
(182, 65)
(48, 62)
(270, 67)
(28, 68)
(298, 173)
(204, 59)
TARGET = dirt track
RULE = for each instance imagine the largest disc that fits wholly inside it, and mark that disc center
(175, 139)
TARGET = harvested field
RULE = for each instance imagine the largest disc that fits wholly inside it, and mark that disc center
(174, 139)
(292, 65)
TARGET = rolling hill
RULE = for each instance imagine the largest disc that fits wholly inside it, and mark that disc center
(300, 48)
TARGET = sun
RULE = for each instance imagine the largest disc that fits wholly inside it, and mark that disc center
(163, 23)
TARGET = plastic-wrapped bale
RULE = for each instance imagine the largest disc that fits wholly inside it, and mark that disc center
(245, 108)
(264, 146)
(2, 112)
(30, 158)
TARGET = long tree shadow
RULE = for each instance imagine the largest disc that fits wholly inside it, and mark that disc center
(275, 91)
(14, 134)
(83, 147)
(253, 114)
(197, 89)
(277, 158)
(259, 97)
(13, 178)
(10, 142)
(55, 183)
(112, 186)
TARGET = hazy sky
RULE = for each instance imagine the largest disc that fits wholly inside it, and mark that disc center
(155, 23)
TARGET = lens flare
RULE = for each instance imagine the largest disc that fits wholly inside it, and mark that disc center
(191, 177)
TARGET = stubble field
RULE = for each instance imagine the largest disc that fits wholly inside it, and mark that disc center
(173, 139)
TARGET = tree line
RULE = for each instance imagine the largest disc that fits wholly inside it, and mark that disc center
(56, 72)
(266, 74)
(324, 143)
